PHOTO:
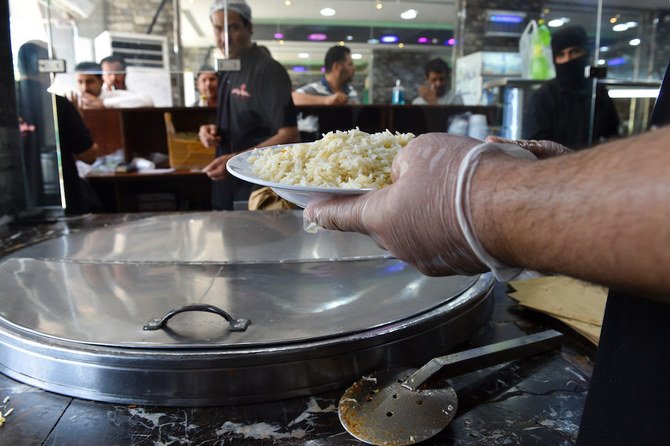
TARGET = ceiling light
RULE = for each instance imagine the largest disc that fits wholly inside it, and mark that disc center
(616, 61)
(278, 36)
(356, 56)
(303, 55)
(373, 41)
(379, 5)
(287, 2)
(281, 42)
(634, 42)
(401, 45)
(327, 12)
(506, 18)
(620, 27)
(410, 14)
(350, 38)
(389, 39)
(555, 23)
(450, 42)
(319, 37)
(633, 93)
(613, 20)
(631, 24)
(604, 49)
(422, 40)
(602, 61)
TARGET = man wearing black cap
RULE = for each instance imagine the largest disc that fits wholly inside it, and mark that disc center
(561, 108)
(254, 106)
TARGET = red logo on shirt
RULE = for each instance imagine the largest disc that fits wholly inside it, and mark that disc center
(242, 91)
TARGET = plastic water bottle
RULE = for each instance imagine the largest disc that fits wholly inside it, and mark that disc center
(398, 97)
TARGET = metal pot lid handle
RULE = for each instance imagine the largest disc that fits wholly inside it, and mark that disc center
(235, 324)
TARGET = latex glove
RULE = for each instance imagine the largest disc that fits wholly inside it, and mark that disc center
(417, 217)
(541, 149)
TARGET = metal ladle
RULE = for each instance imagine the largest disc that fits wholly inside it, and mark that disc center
(405, 406)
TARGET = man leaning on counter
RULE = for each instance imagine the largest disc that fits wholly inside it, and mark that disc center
(254, 105)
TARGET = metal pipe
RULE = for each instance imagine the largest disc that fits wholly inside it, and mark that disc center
(177, 49)
(596, 56)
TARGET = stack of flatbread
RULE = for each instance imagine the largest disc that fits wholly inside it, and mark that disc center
(581, 305)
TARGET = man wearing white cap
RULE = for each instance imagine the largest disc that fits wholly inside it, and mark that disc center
(254, 106)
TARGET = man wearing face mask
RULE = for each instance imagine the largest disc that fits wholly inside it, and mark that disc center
(561, 108)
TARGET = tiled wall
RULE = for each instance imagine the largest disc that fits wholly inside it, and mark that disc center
(11, 178)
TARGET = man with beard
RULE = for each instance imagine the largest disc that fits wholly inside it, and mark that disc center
(561, 108)
(436, 89)
(254, 106)
(334, 87)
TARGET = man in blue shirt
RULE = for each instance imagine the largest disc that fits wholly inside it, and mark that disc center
(334, 87)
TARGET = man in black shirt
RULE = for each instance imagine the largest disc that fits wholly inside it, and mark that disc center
(561, 108)
(254, 107)
(38, 136)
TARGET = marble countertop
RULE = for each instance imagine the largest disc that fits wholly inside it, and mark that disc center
(532, 401)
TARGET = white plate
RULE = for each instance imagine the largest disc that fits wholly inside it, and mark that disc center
(298, 195)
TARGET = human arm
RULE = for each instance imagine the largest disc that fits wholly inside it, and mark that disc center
(338, 98)
(427, 93)
(86, 101)
(541, 149)
(125, 99)
(216, 170)
(599, 215)
(209, 135)
(89, 155)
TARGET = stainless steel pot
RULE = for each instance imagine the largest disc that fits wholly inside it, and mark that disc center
(323, 310)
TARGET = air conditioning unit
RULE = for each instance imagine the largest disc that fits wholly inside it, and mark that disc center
(79, 8)
(147, 59)
(138, 50)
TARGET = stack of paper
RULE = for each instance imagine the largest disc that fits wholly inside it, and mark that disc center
(580, 305)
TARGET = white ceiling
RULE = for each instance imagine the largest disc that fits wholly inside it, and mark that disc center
(431, 14)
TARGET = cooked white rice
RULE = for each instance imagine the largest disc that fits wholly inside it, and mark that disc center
(352, 159)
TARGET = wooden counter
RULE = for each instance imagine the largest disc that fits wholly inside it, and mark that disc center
(141, 131)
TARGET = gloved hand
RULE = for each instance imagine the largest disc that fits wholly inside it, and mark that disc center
(417, 218)
(541, 149)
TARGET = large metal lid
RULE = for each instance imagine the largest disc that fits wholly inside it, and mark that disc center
(108, 304)
(324, 309)
(202, 237)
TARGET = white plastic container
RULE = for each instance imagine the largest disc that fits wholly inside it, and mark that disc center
(478, 127)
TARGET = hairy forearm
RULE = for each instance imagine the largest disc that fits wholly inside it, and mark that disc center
(309, 99)
(285, 135)
(602, 214)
